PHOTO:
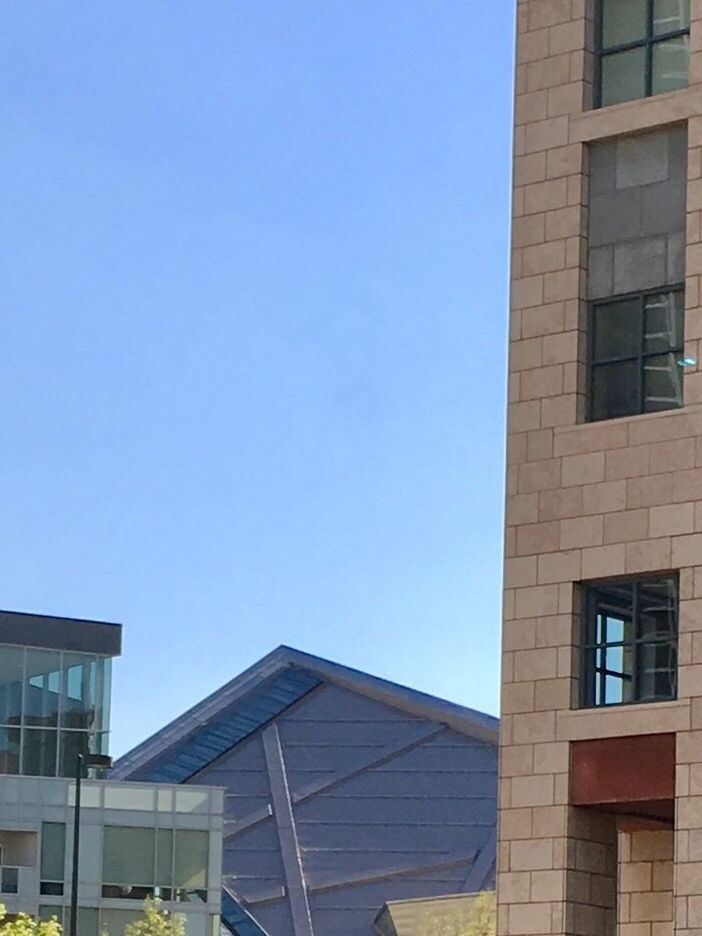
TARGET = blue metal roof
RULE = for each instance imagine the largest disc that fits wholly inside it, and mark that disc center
(213, 738)
(236, 919)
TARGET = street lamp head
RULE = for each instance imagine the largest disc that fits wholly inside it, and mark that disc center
(99, 761)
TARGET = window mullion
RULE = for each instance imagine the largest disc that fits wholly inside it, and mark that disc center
(642, 342)
(649, 48)
(635, 651)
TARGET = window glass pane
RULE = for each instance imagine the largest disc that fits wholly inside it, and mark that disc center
(615, 659)
(658, 610)
(617, 329)
(129, 855)
(88, 921)
(663, 380)
(80, 691)
(615, 609)
(103, 693)
(11, 674)
(47, 912)
(664, 318)
(669, 15)
(614, 690)
(42, 691)
(615, 390)
(623, 76)
(9, 880)
(597, 683)
(623, 21)
(164, 857)
(113, 922)
(39, 752)
(191, 858)
(53, 851)
(670, 65)
(657, 671)
(51, 888)
(73, 743)
(9, 750)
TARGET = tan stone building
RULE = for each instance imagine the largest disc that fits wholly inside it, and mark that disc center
(601, 756)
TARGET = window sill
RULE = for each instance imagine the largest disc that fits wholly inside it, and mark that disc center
(616, 430)
(640, 114)
(623, 720)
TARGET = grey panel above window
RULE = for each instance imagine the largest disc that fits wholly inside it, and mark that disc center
(637, 213)
(643, 49)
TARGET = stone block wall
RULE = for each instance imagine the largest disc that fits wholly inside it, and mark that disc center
(588, 500)
(645, 905)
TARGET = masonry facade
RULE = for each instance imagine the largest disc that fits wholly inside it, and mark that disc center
(600, 807)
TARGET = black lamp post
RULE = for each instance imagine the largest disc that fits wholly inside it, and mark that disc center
(83, 761)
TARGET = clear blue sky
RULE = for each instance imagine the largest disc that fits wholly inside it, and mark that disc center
(254, 281)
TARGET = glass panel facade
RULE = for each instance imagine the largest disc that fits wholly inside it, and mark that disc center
(9, 750)
(53, 705)
(39, 750)
(42, 689)
(11, 676)
(53, 851)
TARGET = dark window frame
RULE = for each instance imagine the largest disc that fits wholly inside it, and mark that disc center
(589, 645)
(648, 43)
(642, 355)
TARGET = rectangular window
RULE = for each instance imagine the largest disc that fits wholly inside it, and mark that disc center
(630, 642)
(644, 48)
(129, 856)
(9, 880)
(53, 853)
(636, 355)
(138, 862)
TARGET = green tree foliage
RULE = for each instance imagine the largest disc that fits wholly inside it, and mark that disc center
(479, 920)
(155, 922)
(25, 925)
(483, 918)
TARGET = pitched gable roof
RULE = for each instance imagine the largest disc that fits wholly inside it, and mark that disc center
(259, 694)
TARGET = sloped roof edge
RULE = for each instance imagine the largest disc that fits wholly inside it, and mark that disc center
(466, 720)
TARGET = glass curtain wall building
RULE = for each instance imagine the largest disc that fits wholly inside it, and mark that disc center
(136, 841)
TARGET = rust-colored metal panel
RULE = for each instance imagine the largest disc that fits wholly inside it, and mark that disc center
(636, 769)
